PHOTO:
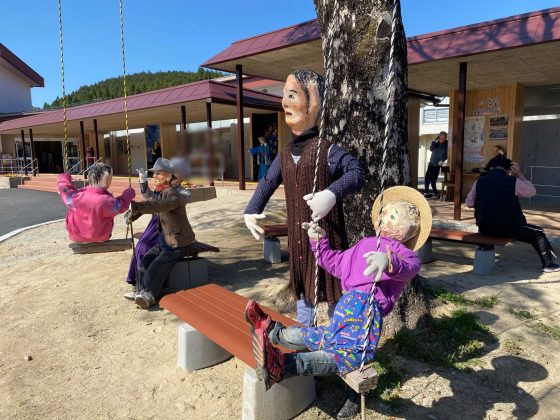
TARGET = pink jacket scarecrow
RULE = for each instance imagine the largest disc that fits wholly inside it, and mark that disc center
(91, 210)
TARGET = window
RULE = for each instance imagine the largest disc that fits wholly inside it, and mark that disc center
(435, 115)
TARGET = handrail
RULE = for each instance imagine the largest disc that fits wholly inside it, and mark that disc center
(542, 185)
(88, 168)
(73, 166)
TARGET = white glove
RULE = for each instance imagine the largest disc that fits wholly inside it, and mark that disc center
(142, 175)
(440, 163)
(314, 230)
(126, 216)
(321, 204)
(377, 263)
(251, 223)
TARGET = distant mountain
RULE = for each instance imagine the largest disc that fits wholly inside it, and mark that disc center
(135, 83)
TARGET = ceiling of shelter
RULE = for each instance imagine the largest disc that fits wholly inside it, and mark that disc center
(533, 66)
(196, 112)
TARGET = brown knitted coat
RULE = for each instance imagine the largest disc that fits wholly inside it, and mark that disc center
(298, 181)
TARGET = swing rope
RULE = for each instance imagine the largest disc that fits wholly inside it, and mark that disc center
(66, 164)
(129, 160)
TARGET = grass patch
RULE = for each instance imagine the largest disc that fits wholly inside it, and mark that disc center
(552, 331)
(460, 300)
(389, 382)
(511, 346)
(455, 341)
(523, 315)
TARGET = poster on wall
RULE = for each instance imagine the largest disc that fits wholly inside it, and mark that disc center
(474, 139)
(498, 133)
(499, 120)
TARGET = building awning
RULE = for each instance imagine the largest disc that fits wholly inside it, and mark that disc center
(16, 64)
(523, 48)
(160, 106)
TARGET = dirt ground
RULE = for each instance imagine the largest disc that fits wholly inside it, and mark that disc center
(95, 355)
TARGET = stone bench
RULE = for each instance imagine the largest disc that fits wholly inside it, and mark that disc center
(213, 330)
(484, 257)
(272, 251)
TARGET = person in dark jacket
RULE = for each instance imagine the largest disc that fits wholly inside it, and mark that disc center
(175, 232)
(438, 157)
(498, 212)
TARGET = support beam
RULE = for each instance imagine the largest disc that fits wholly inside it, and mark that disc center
(183, 118)
(240, 127)
(459, 141)
(23, 147)
(96, 133)
(83, 142)
(33, 171)
(210, 142)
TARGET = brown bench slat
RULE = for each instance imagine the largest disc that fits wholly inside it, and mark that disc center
(111, 245)
(195, 248)
(218, 314)
(276, 230)
(468, 237)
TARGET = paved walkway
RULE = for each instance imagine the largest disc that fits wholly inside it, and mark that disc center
(22, 208)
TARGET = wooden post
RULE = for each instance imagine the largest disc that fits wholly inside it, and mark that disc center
(96, 133)
(240, 127)
(83, 136)
(33, 171)
(24, 157)
(459, 141)
(183, 118)
(210, 142)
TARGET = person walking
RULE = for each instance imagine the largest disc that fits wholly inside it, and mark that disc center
(438, 157)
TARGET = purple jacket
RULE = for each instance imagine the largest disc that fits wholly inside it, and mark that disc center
(349, 266)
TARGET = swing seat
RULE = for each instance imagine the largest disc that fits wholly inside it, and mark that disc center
(111, 245)
(362, 381)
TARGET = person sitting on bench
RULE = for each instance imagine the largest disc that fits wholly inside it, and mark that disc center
(338, 348)
(175, 232)
(150, 236)
(91, 210)
(498, 212)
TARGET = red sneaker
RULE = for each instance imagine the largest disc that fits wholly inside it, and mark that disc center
(270, 360)
(256, 318)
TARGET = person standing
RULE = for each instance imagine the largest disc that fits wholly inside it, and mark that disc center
(339, 174)
(263, 157)
(438, 157)
(498, 212)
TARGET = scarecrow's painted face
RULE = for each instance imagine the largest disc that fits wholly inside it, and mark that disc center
(400, 220)
(301, 113)
(162, 178)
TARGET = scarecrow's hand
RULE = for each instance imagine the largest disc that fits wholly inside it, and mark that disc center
(377, 262)
(314, 231)
(142, 175)
(320, 204)
(251, 223)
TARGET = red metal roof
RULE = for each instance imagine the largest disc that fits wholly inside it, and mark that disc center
(514, 31)
(206, 89)
(20, 66)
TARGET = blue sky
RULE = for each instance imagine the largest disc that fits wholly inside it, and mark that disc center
(181, 34)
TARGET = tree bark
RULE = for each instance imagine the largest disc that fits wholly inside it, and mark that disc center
(356, 40)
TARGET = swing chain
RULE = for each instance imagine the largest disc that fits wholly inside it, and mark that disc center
(66, 164)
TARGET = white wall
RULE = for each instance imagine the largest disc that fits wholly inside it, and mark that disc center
(15, 93)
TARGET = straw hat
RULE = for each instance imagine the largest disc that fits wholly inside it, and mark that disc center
(413, 197)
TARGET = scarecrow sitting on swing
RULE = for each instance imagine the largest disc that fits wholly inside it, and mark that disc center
(402, 227)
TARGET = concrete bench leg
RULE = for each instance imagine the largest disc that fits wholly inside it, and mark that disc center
(484, 260)
(195, 351)
(271, 250)
(183, 277)
(425, 252)
(283, 401)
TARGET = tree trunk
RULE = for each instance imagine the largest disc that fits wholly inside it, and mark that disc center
(356, 38)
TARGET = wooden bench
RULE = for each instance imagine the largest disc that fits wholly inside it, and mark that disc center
(111, 245)
(272, 252)
(484, 259)
(214, 329)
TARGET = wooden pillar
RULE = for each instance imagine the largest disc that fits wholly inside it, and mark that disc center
(240, 127)
(96, 134)
(83, 142)
(33, 171)
(183, 118)
(413, 138)
(459, 134)
(23, 147)
(210, 141)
